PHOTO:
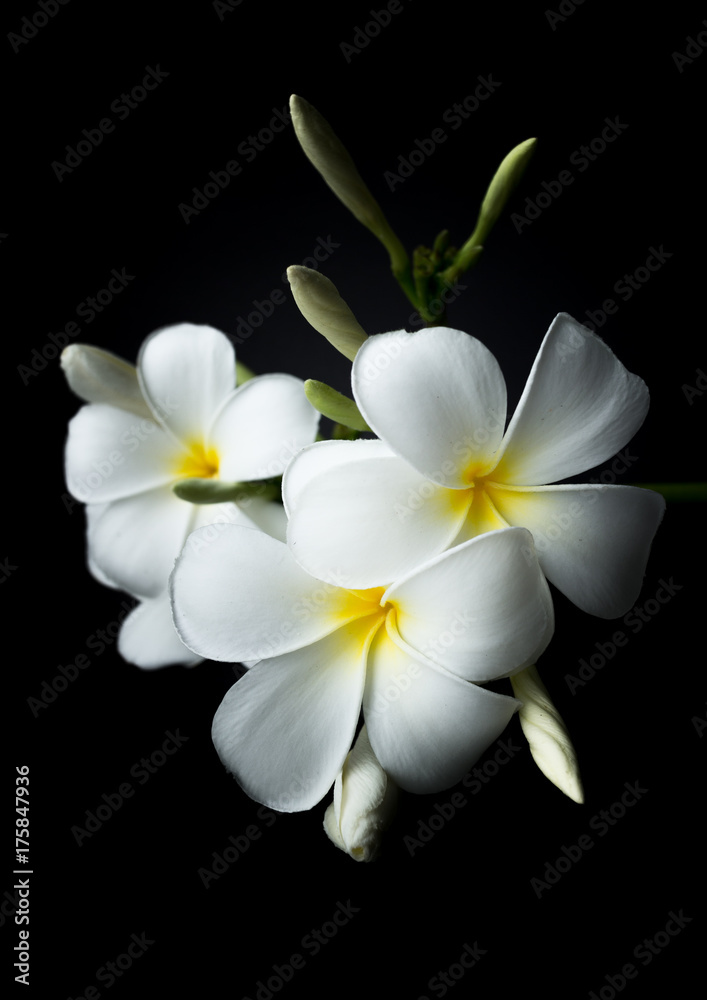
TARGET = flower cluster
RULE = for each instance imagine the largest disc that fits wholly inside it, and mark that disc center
(382, 589)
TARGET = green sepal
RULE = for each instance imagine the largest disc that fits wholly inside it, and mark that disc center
(205, 491)
(243, 373)
(334, 405)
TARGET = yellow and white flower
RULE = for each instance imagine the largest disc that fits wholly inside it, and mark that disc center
(178, 419)
(411, 655)
(445, 469)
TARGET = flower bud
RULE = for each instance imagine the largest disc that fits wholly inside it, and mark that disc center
(331, 158)
(501, 187)
(364, 803)
(546, 734)
(97, 376)
(324, 309)
(334, 405)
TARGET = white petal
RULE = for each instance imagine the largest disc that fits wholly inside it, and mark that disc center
(268, 515)
(262, 426)
(371, 521)
(579, 406)
(427, 727)
(437, 397)
(481, 610)
(148, 638)
(325, 456)
(112, 454)
(93, 512)
(135, 541)
(238, 595)
(285, 727)
(186, 372)
(592, 541)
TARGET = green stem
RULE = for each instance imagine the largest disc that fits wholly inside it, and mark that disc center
(678, 491)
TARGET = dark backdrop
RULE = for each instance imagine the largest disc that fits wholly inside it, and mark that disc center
(475, 886)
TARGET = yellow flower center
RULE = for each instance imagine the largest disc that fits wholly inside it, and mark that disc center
(198, 462)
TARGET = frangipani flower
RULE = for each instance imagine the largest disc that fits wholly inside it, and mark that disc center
(147, 637)
(444, 470)
(199, 430)
(364, 803)
(412, 654)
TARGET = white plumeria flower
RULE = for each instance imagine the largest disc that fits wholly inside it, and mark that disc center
(147, 637)
(364, 803)
(178, 417)
(412, 655)
(443, 470)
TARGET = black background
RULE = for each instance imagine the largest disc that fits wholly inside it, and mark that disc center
(636, 721)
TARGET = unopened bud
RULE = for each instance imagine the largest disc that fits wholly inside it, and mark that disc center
(546, 734)
(98, 376)
(364, 803)
(324, 309)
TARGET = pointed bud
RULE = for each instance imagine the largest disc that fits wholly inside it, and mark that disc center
(364, 803)
(97, 376)
(334, 405)
(547, 734)
(331, 158)
(324, 309)
(501, 187)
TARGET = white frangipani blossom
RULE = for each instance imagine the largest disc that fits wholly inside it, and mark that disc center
(177, 417)
(444, 470)
(364, 803)
(411, 655)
